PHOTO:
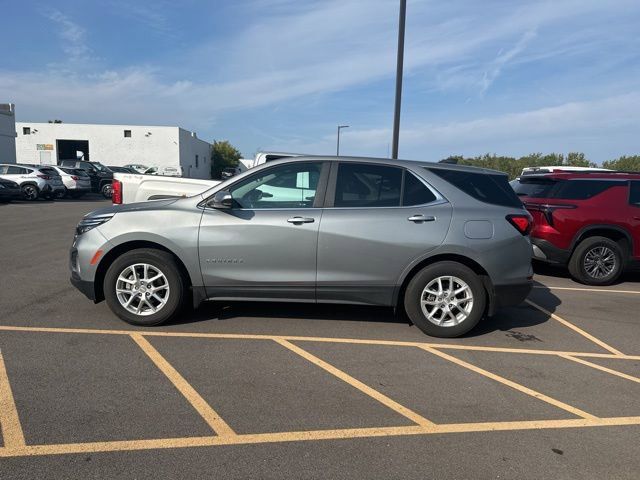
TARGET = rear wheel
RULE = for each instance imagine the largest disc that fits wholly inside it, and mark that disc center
(144, 287)
(106, 190)
(30, 192)
(596, 261)
(445, 299)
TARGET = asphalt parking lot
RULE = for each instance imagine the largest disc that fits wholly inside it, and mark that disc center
(549, 389)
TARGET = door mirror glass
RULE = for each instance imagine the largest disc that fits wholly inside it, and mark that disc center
(221, 200)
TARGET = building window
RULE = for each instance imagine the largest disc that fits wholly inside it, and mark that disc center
(196, 161)
(127, 134)
(26, 130)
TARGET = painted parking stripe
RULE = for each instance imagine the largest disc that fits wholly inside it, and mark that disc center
(601, 368)
(12, 434)
(296, 338)
(193, 397)
(577, 289)
(509, 383)
(566, 323)
(245, 439)
(345, 377)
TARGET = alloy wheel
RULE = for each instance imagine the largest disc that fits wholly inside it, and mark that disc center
(142, 289)
(446, 301)
(30, 192)
(599, 262)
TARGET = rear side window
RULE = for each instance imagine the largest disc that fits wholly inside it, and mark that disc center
(634, 194)
(488, 188)
(415, 192)
(364, 185)
(582, 189)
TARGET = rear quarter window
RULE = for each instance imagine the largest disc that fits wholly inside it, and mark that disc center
(485, 187)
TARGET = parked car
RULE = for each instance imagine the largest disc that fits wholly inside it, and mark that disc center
(448, 243)
(588, 222)
(560, 168)
(137, 167)
(76, 182)
(100, 175)
(230, 172)
(33, 182)
(164, 171)
(9, 190)
(116, 169)
(130, 188)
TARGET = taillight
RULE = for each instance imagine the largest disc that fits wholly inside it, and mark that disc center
(522, 223)
(45, 177)
(73, 177)
(116, 192)
(547, 209)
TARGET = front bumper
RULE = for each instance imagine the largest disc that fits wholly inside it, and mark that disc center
(10, 193)
(547, 252)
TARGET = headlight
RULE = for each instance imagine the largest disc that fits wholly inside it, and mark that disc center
(88, 223)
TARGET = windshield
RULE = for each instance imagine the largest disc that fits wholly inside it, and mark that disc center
(533, 187)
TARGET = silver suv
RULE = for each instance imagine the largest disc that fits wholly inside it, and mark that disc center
(34, 180)
(447, 243)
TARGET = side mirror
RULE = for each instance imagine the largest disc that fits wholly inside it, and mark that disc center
(222, 200)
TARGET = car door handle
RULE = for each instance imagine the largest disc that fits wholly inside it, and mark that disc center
(420, 218)
(298, 220)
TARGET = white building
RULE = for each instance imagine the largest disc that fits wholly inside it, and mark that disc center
(7, 133)
(48, 143)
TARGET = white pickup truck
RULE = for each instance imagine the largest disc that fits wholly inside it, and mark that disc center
(132, 188)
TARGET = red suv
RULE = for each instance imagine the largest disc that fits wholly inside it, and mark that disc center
(589, 222)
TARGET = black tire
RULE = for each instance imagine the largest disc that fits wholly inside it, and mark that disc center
(163, 262)
(30, 192)
(578, 269)
(106, 190)
(413, 296)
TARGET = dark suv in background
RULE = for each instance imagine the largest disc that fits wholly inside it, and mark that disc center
(589, 222)
(101, 176)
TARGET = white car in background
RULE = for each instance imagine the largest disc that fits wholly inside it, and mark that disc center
(137, 167)
(164, 171)
(557, 168)
(32, 180)
(76, 182)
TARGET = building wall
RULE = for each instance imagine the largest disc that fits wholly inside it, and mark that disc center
(7, 133)
(190, 146)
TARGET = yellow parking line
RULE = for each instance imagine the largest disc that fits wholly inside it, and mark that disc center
(345, 377)
(604, 369)
(245, 439)
(9, 421)
(294, 338)
(202, 407)
(509, 383)
(576, 289)
(575, 329)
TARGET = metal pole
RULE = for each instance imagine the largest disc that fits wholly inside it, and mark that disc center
(338, 143)
(396, 113)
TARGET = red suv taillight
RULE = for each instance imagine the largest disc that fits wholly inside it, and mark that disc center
(547, 209)
(116, 192)
(522, 223)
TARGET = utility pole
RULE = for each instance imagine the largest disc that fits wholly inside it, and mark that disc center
(396, 113)
(340, 127)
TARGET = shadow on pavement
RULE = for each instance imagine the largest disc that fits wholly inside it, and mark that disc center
(506, 319)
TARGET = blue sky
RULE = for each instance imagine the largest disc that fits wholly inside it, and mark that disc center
(504, 76)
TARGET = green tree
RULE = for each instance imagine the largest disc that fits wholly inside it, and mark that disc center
(223, 155)
(629, 163)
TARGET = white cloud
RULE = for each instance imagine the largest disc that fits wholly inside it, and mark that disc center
(71, 34)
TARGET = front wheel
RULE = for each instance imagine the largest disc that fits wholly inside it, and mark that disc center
(144, 287)
(445, 299)
(596, 261)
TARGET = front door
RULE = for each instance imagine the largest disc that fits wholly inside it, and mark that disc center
(265, 246)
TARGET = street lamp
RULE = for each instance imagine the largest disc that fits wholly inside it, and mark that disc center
(396, 113)
(340, 127)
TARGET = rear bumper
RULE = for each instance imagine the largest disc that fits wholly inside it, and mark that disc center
(511, 295)
(547, 252)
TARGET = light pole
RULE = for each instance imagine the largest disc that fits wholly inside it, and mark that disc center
(340, 127)
(396, 113)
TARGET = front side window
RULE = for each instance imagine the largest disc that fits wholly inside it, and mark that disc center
(16, 171)
(285, 186)
(366, 185)
(634, 193)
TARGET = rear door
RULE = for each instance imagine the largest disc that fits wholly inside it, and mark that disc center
(378, 220)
